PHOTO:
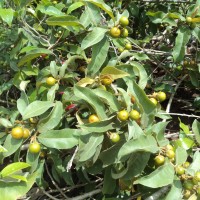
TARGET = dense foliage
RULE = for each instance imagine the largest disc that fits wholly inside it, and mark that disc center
(99, 99)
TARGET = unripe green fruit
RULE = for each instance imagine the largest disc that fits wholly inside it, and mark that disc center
(114, 137)
(115, 32)
(120, 50)
(128, 46)
(50, 81)
(34, 147)
(124, 33)
(170, 154)
(159, 160)
(123, 115)
(197, 176)
(134, 114)
(169, 147)
(124, 21)
(188, 19)
(154, 101)
(161, 96)
(180, 170)
(186, 164)
(188, 185)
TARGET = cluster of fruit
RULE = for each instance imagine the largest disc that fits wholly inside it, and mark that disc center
(159, 96)
(167, 151)
(19, 132)
(191, 184)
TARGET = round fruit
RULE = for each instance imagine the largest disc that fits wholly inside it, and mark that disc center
(115, 32)
(33, 120)
(186, 164)
(197, 176)
(124, 21)
(161, 96)
(114, 137)
(123, 115)
(17, 132)
(71, 107)
(180, 170)
(170, 154)
(186, 194)
(50, 81)
(26, 133)
(34, 147)
(134, 114)
(128, 46)
(106, 81)
(124, 33)
(169, 147)
(93, 118)
(120, 50)
(154, 101)
(188, 185)
(192, 62)
(159, 160)
(188, 19)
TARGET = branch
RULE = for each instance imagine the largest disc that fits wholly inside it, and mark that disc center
(179, 114)
(158, 194)
(86, 195)
(69, 164)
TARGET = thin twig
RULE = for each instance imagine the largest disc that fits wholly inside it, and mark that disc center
(7, 102)
(57, 187)
(179, 114)
(86, 195)
(69, 164)
(50, 196)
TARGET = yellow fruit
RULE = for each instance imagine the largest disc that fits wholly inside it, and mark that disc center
(17, 132)
(50, 81)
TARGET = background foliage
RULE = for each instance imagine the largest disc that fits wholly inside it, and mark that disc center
(94, 72)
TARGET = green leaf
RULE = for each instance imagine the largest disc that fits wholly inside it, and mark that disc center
(15, 190)
(60, 139)
(11, 145)
(22, 103)
(74, 6)
(143, 143)
(134, 130)
(141, 73)
(12, 168)
(33, 54)
(159, 130)
(147, 106)
(162, 176)
(52, 92)
(94, 37)
(175, 191)
(182, 39)
(196, 33)
(36, 108)
(98, 127)
(7, 15)
(49, 10)
(109, 183)
(89, 149)
(2, 149)
(99, 55)
(113, 72)
(18, 177)
(90, 97)
(103, 6)
(184, 127)
(5, 122)
(194, 167)
(136, 164)
(64, 21)
(53, 119)
(196, 130)
(108, 98)
(54, 69)
(185, 142)
(32, 160)
(181, 155)
(85, 81)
